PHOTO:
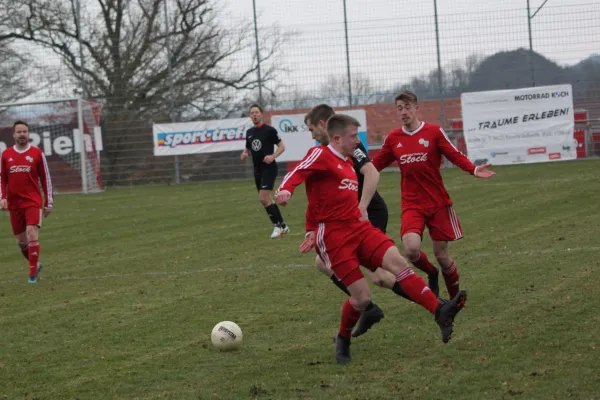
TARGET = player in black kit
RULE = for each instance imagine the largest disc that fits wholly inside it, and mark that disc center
(370, 203)
(261, 141)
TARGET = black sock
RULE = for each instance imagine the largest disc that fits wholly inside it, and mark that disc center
(275, 215)
(339, 284)
(398, 290)
(370, 306)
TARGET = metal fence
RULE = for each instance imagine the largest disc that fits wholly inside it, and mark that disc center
(171, 61)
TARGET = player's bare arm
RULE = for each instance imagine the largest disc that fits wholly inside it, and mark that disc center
(460, 160)
(3, 205)
(244, 154)
(385, 157)
(371, 181)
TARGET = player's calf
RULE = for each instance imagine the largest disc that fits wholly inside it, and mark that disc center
(360, 299)
(419, 259)
(449, 270)
(24, 247)
(410, 283)
(34, 256)
(385, 279)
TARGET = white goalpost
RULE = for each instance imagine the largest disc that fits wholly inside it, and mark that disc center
(68, 132)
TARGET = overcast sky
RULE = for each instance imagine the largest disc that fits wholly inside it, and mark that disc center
(393, 40)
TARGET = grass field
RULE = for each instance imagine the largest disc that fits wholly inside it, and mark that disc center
(135, 280)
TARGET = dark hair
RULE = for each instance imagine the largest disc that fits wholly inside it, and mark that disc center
(322, 112)
(257, 106)
(19, 122)
(337, 123)
(407, 96)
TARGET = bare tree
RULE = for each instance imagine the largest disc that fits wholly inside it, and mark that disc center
(335, 90)
(15, 66)
(126, 63)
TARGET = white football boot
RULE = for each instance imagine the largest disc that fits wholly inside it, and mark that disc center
(279, 232)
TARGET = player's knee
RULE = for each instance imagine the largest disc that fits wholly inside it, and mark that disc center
(377, 278)
(441, 255)
(360, 300)
(384, 279)
(412, 252)
(32, 233)
(264, 199)
(393, 261)
(377, 281)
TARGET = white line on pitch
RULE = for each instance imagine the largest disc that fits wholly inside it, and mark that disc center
(165, 273)
(476, 254)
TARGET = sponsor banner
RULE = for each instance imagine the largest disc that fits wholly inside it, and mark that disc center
(59, 140)
(519, 126)
(200, 136)
(298, 139)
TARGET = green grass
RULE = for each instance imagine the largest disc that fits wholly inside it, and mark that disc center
(135, 280)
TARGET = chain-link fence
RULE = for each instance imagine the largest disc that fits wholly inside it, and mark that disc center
(157, 61)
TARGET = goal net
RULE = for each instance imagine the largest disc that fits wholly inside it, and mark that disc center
(61, 128)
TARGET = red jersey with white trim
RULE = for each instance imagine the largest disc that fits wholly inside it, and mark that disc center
(419, 155)
(20, 174)
(331, 186)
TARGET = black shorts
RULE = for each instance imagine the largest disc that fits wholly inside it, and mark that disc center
(264, 176)
(378, 215)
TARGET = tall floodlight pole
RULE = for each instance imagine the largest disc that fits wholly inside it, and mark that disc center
(171, 82)
(439, 65)
(81, 59)
(529, 18)
(347, 56)
(260, 96)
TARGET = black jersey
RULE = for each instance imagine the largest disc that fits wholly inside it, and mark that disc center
(261, 141)
(360, 158)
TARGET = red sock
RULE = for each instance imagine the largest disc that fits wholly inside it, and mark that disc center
(24, 250)
(416, 288)
(34, 256)
(350, 316)
(451, 279)
(425, 265)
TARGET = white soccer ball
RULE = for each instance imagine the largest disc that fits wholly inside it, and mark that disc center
(226, 336)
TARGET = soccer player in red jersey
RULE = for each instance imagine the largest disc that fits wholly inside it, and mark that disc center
(372, 207)
(344, 240)
(418, 147)
(22, 167)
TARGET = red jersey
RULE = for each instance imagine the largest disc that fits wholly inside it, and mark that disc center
(419, 155)
(20, 174)
(331, 186)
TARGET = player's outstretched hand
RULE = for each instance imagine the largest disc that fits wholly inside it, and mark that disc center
(3, 204)
(482, 171)
(283, 197)
(308, 243)
(268, 159)
(47, 211)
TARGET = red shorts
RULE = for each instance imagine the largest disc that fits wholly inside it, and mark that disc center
(21, 217)
(442, 223)
(344, 247)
